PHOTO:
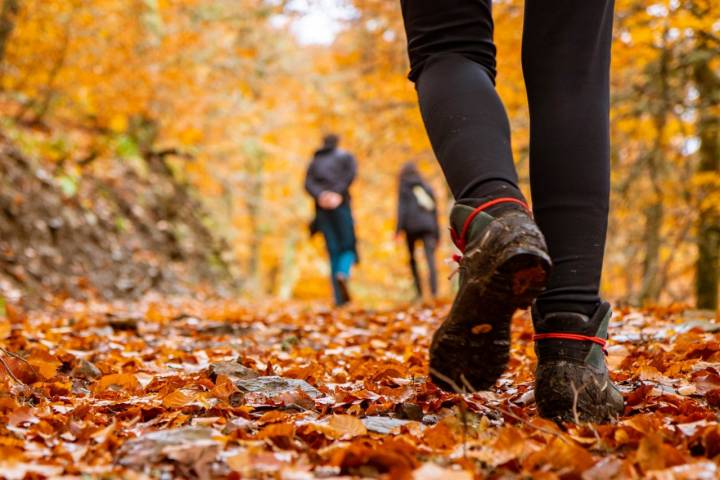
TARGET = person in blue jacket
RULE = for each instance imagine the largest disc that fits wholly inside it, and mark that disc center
(328, 179)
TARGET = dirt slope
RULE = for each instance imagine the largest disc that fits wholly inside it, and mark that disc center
(116, 235)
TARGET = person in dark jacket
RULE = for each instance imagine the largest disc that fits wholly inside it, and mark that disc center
(417, 218)
(328, 179)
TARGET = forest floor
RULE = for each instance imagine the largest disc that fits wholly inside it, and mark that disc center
(189, 389)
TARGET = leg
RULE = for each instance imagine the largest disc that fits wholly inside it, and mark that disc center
(429, 245)
(504, 263)
(346, 259)
(411, 239)
(341, 276)
(566, 62)
(334, 253)
(452, 59)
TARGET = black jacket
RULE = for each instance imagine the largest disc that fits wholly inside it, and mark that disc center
(331, 170)
(413, 217)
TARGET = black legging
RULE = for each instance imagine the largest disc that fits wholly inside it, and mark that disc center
(429, 242)
(566, 61)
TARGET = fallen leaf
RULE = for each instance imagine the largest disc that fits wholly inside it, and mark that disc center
(654, 454)
(124, 381)
(178, 399)
(347, 425)
(277, 430)
(439, 437)
(45, 363)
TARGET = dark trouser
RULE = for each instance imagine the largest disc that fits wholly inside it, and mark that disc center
(566, 61)
(429, 242)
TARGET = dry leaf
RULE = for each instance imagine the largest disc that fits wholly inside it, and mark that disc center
(347, 425)
(123, 381)
(440, 437)
(277, 430)
(178, 399)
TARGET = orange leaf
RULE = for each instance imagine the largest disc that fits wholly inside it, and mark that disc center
(5, 328)
(126, 381)
(273, 416)
(347, 425)
(45, 363)
(224, 387)
(440, 437)
(277, 430)
(177, 399)
(654, 454)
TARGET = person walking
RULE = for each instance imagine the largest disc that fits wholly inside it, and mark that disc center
(417, 219)
(328, 179)
(550, 258)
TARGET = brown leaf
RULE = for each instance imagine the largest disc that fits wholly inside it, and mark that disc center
(45, 363)
(274, 416)
(560, 455)
(440, 437)
(21, 416)
(284, 430)
(178, 399)
(119, 381)
(5, 328)
(654, 454)
(347, 425)
(25, 372)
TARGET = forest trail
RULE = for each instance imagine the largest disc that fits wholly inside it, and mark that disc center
(187, 389)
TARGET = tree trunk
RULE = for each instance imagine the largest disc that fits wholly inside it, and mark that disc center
(655, 212)
(255, 157)
(650, 290)
(708, 237)
(10, 9)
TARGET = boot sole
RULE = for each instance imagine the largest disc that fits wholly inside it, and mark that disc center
(506, 271)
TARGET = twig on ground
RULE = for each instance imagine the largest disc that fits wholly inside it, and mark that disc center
(7, 368)
(576, 394)
(509, 413)
(463, 407)
(15, 355)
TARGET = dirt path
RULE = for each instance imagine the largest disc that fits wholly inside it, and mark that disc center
(230, 390)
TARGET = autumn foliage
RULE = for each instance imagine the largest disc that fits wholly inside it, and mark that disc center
(228, 390)
(175, 133)
(228, 88)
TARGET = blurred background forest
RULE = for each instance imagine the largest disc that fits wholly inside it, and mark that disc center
(155, 143)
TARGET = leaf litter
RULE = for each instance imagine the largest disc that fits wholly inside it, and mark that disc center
(184, 389)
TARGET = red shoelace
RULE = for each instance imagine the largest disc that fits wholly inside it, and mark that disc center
(572, 336)
(460, 241)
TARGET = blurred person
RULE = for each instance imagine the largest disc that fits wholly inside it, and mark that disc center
(417, 219)
(328, 179)
(550, 258)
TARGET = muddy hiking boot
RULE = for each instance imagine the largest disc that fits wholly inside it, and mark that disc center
(504, 266)
(571, 380)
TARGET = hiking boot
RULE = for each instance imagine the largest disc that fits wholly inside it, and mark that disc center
(342, 283)
(571, 380)
(504, 266)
